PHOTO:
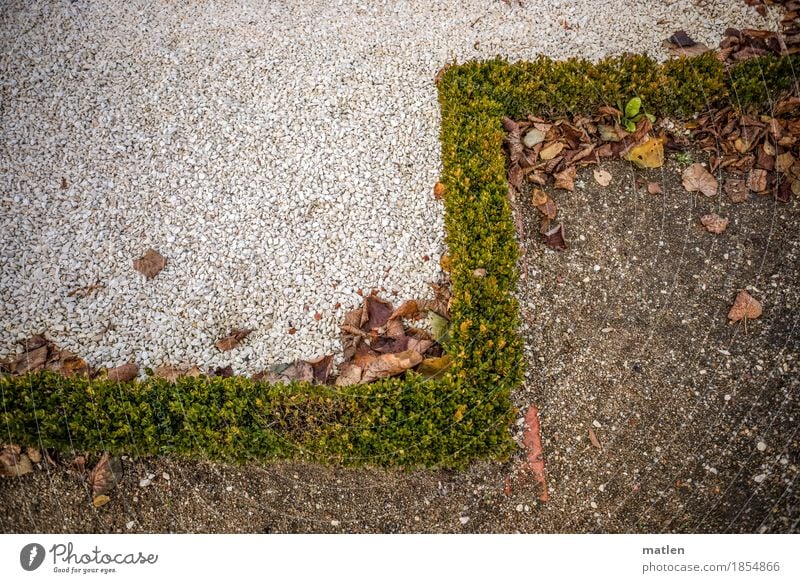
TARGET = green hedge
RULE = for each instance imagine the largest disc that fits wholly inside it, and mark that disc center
(396, 422)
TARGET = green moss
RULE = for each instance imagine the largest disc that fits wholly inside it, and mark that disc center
(397, 422)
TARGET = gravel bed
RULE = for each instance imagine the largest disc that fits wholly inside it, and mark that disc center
(281, 155)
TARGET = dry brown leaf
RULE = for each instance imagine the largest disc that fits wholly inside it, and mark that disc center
(714, 223)
(389, 365)
(31, 361)
(554, 238)
(594, 440)
(603, 177)
(123, 373)
(376, 312)
(757, 181)
(697, 179)
(34, 454)
(168, 373)
(548, 209)
(105, 475)
(550, 151)
(13, 463)
(538, 197)
(438, 191)
(649, 154)
(736, 190)
(654, 188)
(783, 162)
(299, 370)
(408, 309)
(349, 374)
(150, 264)
(566, 179)
(101, 500)
(232, 340)
(744, 307)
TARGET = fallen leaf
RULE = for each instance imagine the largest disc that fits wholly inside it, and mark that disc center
(438, 191)
(232, 340)
(13, 463)
(551, 151)
(566, 179)
(744, 307)
(610, 133)
(714, 223)
(533, 137)
(538, 197)
(389, 365)
(440, 327)
(34, 454)
(649, 154)
(150, 264)
(105, 475)
(30, 361)
(697, 179)
(376, 312)
(433, 367)
(64, 184)
(123, 373)
(548, 209)
(735, 189)
(594, 440)
(654, 188)
(534, 454)
(757, 181)
(408, 309)
(101, 500)
(554, 238)
(168, 373)
(784, 161)
(224, 372)
(349, 374)
(603, 177)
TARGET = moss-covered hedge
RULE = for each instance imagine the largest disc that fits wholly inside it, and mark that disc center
(410, 422)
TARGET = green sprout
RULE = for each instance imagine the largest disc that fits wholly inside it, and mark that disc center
(632, 113)
(684, 158)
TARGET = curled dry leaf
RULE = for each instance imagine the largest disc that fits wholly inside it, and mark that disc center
(654, 188)
(735, 189)
(438, 191)
(123, 373)
(714, 223)
(548, 209)
(13, 463)
(566, 179)
(168, 373)
(105, 475)
(744, 307)
(232, 340)
(603, 177)
(538, 196)
(150, 264)
(349, 374)
(408, 309)
(389, 365)
(554, 238)
(697, 179)
(783, 162)
(757, 181)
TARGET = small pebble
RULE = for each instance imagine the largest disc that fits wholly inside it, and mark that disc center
(130, 525)
(334, 523)
(229, 488)
(463, 519)
(760, 478)
(761, 446)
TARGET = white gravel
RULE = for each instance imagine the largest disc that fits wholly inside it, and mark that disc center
(281, 155)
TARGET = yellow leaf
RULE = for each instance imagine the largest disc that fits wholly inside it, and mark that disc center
(433, 367)
(649, 154)
(101, 500)
(460, 413)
